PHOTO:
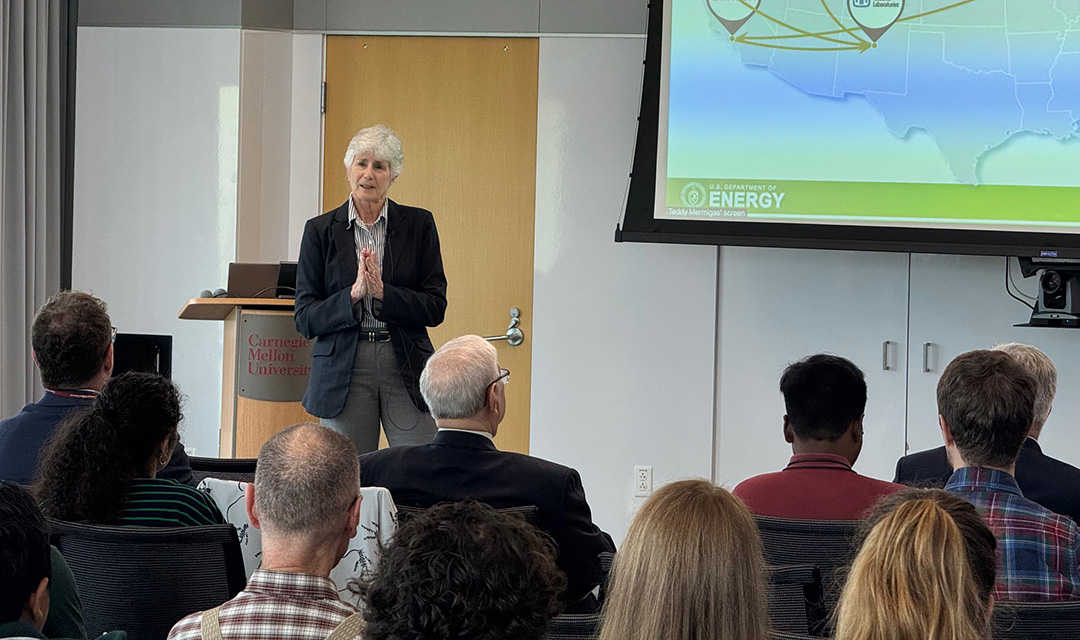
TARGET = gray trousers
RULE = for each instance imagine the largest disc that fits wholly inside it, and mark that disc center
(377, 394)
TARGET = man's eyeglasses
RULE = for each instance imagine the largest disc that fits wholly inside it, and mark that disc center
(504, 375)
(113, 339)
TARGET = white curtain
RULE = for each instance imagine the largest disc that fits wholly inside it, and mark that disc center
(33, 92)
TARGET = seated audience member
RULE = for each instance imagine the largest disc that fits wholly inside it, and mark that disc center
(986, 405)
(463, 570)
(27, 566)
(825, 397)
(101, 466)
(72, 341)
(1043, 479)
(925, 570)
(691, 568)
(463, 386)
(306, 501)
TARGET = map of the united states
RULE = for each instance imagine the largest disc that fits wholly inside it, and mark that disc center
(973, 74)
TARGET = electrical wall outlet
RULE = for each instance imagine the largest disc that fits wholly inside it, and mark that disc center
(642, 481)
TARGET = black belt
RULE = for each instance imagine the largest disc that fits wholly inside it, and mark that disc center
(374, 336)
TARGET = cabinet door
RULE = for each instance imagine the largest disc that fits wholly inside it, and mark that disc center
(959, 303)
(777, 306)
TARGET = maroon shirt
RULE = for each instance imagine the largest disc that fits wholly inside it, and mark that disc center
(814, 486)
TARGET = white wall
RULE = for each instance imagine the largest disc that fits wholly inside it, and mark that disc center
(624, 334)
(155, 191)
(305, 161)
(264, 157)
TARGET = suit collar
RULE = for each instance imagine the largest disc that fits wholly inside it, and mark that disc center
(463, 440)
(1032, 445)
(395, 239)
(344, 241)
(53, 400)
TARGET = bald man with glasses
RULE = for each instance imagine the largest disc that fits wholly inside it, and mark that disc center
(463, 386)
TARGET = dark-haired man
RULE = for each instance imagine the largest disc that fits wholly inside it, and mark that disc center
(824, 397)
(986, 405)
(72, 338)
(497, 578)
(27, 568)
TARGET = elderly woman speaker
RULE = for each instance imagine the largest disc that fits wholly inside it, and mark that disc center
(369, 282)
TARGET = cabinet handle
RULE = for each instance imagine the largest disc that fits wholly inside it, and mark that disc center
(885, 355)
(926, 356)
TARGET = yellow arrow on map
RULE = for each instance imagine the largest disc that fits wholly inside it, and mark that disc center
(834, 19)
(795, 29)
(861, 46)
(930, 13)
(823, 35)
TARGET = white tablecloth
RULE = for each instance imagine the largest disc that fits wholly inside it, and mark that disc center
(378, 519)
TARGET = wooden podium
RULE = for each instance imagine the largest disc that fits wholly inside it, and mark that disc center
(265, 367)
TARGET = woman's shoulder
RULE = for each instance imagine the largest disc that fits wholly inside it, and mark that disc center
(186, 503)
(324, 220)
(406, 210)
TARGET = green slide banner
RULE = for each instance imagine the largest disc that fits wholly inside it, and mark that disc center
(884, 202)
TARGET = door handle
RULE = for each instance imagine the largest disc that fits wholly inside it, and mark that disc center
(926, 356)
(514, 335)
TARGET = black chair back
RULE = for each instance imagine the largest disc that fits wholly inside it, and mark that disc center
(143, 580)
(794, 594)
(239, 469)
(1036, 620)
(828, 545)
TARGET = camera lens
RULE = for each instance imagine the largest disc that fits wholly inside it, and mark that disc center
(1050, 281)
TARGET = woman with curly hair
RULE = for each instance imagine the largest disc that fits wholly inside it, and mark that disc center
(101, 464)
(691, 568)
(463, 570)
(925, 572)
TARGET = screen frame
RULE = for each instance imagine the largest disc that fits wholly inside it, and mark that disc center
(639, 225)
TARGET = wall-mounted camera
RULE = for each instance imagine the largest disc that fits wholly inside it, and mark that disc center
(1058, 303)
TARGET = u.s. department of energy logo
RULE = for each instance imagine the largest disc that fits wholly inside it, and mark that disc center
(693, 195)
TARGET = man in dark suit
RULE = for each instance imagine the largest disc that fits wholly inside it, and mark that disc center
(1044, 480)
(463, 385)
(72, 339)
(368, 284)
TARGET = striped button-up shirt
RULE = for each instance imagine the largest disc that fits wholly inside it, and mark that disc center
(159, 502)
(369, 237)
(1038, 554)
(275, 605)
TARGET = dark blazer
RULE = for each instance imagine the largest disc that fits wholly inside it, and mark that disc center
(414, 297)
(22, 435)
(1049, 482)
(458, 466)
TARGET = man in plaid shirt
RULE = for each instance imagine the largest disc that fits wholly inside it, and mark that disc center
(306, 501)
(986, 406)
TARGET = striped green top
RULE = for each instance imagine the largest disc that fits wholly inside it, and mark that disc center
(158, 502)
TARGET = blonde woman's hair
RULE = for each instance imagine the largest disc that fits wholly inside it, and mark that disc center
(925, 572)
(691, 568)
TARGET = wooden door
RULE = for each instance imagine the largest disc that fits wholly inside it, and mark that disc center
(465, 110)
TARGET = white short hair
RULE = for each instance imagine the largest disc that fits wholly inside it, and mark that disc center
(382, 143)
(1039, 365)
(456, 377)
